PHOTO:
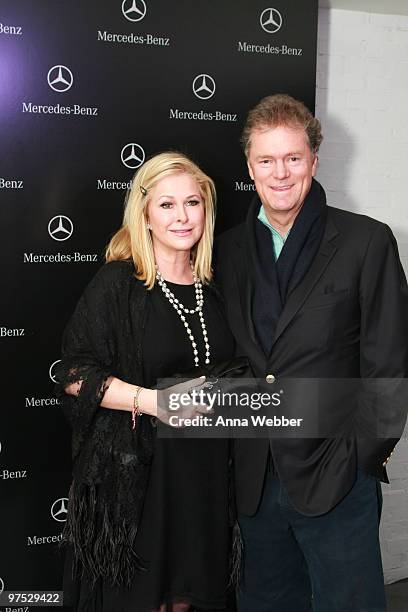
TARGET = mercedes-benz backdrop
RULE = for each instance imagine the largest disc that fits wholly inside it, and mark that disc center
(88, 90)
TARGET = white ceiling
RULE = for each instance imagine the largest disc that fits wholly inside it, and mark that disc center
(390, 7)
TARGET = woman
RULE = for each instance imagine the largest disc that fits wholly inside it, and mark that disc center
(147, 526)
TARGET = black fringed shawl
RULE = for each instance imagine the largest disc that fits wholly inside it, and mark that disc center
(111, 461)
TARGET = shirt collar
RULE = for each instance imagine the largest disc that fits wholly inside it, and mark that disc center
(264, 219)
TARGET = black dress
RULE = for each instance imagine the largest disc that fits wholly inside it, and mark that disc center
(184, 534)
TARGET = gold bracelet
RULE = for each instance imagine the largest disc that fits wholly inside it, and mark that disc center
(135, 408)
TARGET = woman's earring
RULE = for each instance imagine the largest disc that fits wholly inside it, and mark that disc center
(149, 227)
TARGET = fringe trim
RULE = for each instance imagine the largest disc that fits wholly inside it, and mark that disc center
(236, 556)
(102, 548)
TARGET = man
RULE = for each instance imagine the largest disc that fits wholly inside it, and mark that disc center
(313, 293)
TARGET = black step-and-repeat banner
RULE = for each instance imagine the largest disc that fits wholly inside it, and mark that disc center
(88, 90)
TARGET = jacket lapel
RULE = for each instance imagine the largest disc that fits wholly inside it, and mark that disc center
(298, 294)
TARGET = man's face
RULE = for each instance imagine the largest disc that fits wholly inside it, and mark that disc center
(282, 166)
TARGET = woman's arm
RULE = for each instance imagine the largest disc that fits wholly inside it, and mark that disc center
(119, 395)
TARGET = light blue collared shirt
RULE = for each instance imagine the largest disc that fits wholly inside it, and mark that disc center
(277, 240)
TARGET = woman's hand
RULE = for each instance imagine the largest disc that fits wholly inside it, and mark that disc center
(184, 400)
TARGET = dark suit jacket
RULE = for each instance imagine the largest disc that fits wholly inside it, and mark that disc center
(347, 319)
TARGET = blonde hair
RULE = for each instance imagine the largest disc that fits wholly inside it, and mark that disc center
(133, 240)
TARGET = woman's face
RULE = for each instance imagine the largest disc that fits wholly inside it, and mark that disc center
(176, 214)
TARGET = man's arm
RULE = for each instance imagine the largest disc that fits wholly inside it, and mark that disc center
(383, 350)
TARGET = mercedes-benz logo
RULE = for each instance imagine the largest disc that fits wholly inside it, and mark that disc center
(134, 10)
(271, 20)
(51, 372)
(59, 509)
(60, 228)
(204, 86)
(1, 585)
(132, 155)
(60, 78)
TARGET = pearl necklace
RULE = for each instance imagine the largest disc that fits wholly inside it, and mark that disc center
(181, 310)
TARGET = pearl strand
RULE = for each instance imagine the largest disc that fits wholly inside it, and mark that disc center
(181, 310)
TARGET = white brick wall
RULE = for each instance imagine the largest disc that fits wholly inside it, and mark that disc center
(362, 101)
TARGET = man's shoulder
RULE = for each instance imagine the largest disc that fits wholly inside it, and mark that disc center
(356, 223)
(227, 247)
(230, 237)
